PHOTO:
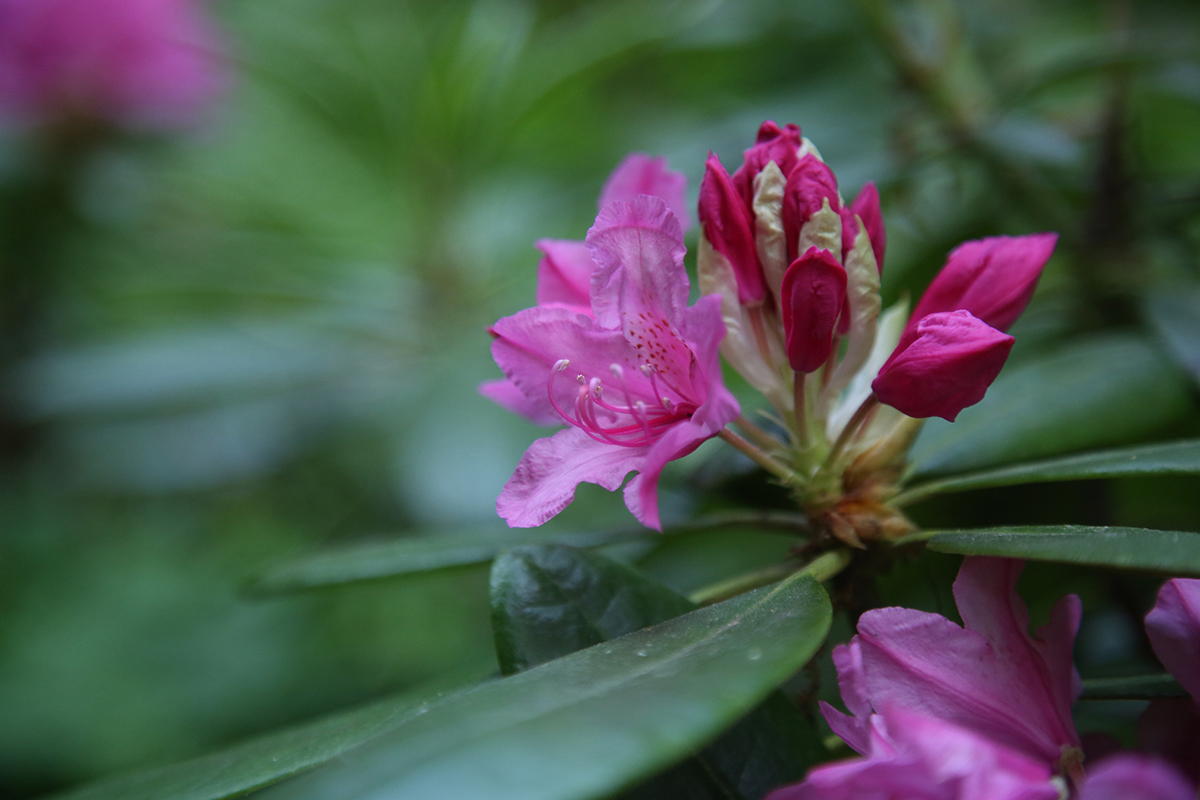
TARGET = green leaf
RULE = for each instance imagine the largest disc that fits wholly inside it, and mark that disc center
(366, 561)
(1173, 458)
(1175, 316)
(598, 720)
(378, 560)
(551, 600)
(262, 761)
(1095, 392)
(1138, 687)
(1170, 552)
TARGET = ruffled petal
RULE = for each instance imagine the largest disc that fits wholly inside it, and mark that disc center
(565, 275)
(1173, 626)
(545, 479)
(505, 394)
(638, 174)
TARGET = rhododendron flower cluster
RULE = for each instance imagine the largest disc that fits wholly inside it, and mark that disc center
(789, 276)
(133, 63)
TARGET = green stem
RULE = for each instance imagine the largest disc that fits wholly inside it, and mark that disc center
(800, 398)
(765, 461)
(821, 568)
(851, 429)
(757, 435)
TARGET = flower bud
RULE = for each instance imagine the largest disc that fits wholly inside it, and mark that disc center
(866, 208)
(726, 224)
(811, 187)
(943, 364)
(814, 291)
(992, 278)
(773, 144)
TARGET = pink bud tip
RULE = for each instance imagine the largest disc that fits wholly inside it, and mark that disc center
(814, 291)
(725, 223)
(809, 184)
(866, 208)
(943, 364)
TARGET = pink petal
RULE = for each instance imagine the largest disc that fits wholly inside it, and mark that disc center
(809, 184)
(866, 207)
(726, 223)
(992, 278)
(565, 275)
(991, 677)
(781, 145)
(640, 174)
(1130, 776)
(1173, 626)
(813, 297)
(641, 287)
(641, 495)
(943, 364)
(504, 393)
(916, 757)
(529, 344)
(545, 479)
(705, 331)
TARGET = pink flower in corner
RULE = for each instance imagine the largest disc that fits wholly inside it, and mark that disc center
(1173, 626)
(565, 271)
(990, 677)
(638, 380)
(136, 63)
(917, 757)
(1127, 776)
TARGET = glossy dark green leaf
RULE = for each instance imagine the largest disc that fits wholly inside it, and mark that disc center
(260, 762)
(1170, 552)
(1172, 458)
(1138, 687)
(1096, 392)
(551, 600)
(596, 721)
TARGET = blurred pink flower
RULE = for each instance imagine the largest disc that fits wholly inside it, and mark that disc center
(135, 63)
(565, 271)
(1130, 776)
(990, 677)
(1173, 626)
(917, 757)
(638, 380)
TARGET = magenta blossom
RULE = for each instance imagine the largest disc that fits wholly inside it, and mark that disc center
(638, 381)
(917, 757)
(1173, 626)
(814, 291)
(565, 271)
(1129, 776)
(954, 344)
(990, 677)
(946, 364)
(134, 63)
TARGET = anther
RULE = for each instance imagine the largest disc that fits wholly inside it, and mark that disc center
(561, 364)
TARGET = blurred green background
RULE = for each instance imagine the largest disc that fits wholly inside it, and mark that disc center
(264, 335)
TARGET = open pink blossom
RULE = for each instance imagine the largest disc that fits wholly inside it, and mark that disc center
(990, 677)
(135, 63)
(941, 366)
(565, 271)
(637, 381)
(1173, 626)
(917, 757)
(1130, 776)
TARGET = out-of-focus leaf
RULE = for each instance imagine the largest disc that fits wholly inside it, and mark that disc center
(588, 724)
(1171, 552)
(1175, 315)
(1138, 687)
(1173, 458)
(549, 601)
(1091, 393)
(376, 560)
(260, 762)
